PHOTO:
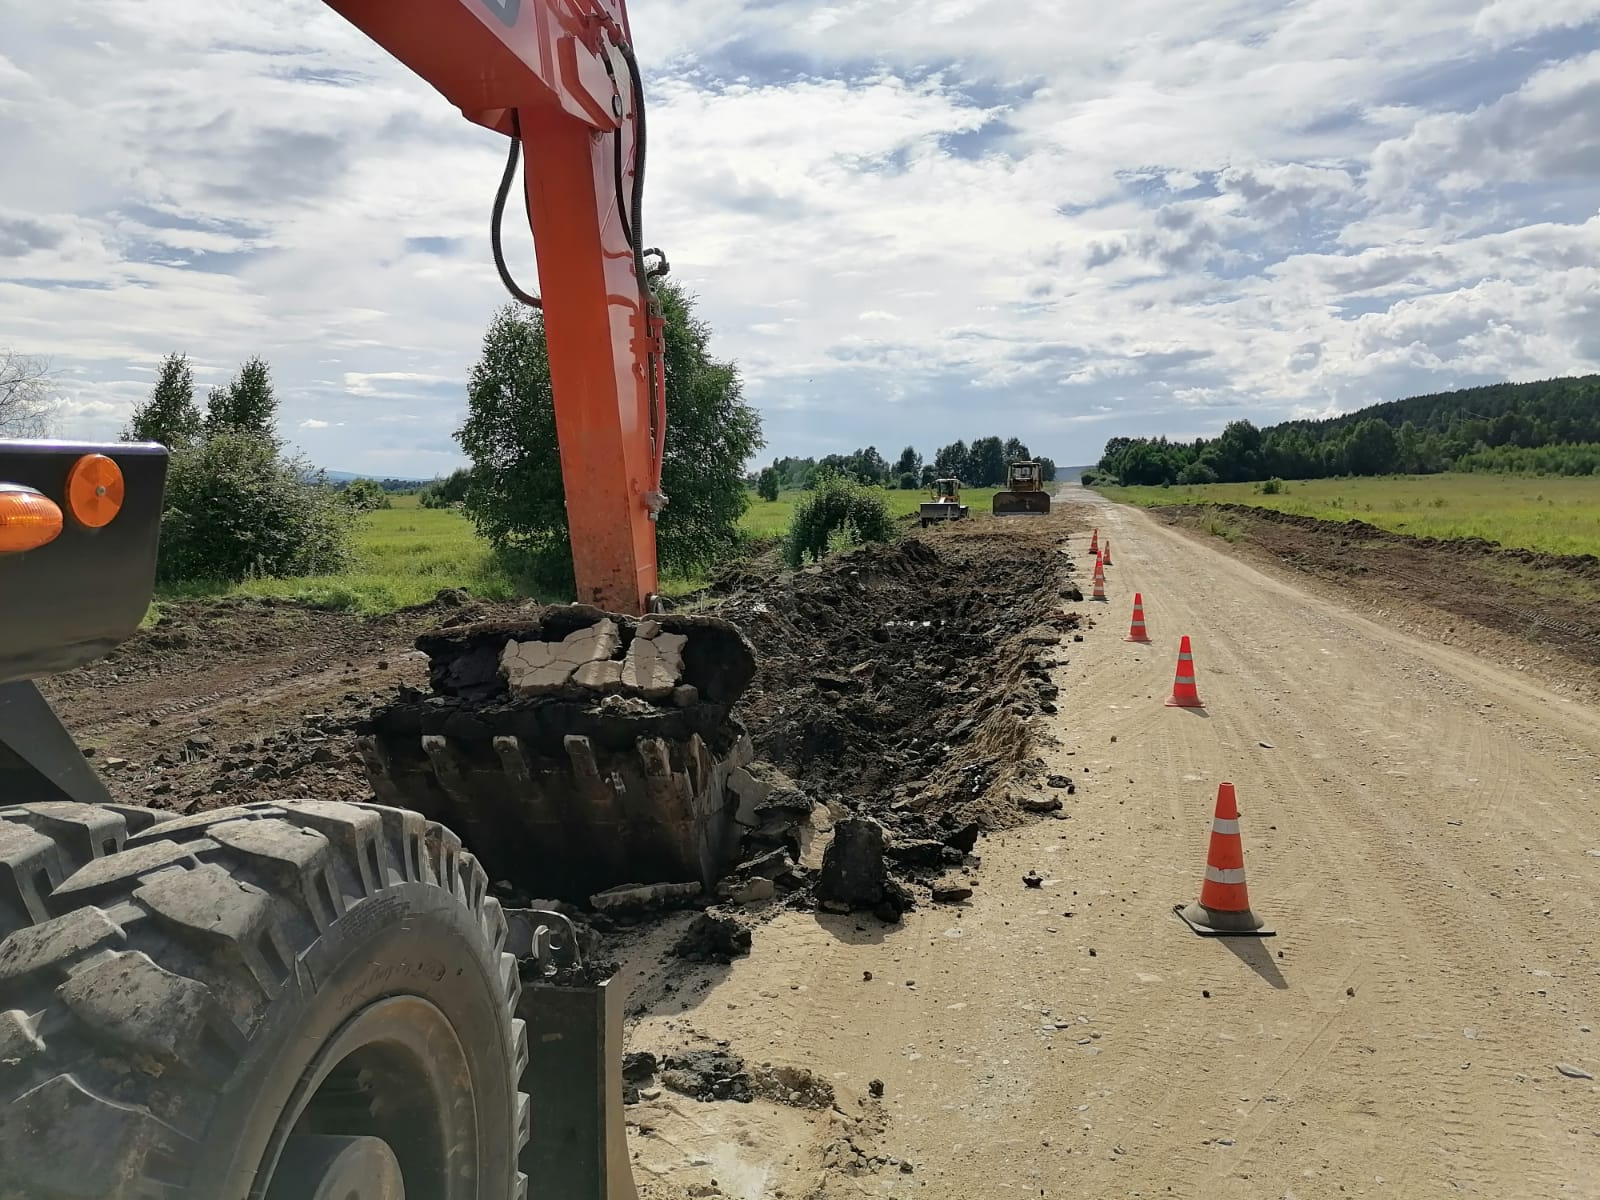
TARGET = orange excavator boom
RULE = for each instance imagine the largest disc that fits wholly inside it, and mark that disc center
(559, 77)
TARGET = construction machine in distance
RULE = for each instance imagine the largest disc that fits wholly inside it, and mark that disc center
(1024, 494)
(946, 503)
(320, 999)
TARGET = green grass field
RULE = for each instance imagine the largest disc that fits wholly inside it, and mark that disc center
(1558, 515)
(403, 555)
(406, 555)
(770, 518)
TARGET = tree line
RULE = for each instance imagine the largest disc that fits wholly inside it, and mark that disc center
(982, 464)
(236, 505)
(1519, 426)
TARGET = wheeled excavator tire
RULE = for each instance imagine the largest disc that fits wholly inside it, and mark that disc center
(272, 1002)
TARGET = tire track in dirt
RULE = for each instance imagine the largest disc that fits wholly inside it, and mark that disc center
(1397, 861)
(259, 687)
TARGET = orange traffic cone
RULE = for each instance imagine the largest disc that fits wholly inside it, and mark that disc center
(1136, 631)
(1094, 542)
(1105, 552)
(1224, 906)
(1099, 579)
(1184, 692)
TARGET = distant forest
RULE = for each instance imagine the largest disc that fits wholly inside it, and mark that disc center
(982, 464)
(1551, 427)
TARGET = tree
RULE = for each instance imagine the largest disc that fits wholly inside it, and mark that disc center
(170, 415)
(515, 496)
(25, 395)
(1372, 449)
(1196, 472)
(365, 495)
(1017, 450)
(767, 484)
(1236, 455)
(929, 472)
(1047, 469)
(869, 466)
(247, 404)
(950, 462)
(986, 462)
(235, 509)
(446, 492)
(909, 463)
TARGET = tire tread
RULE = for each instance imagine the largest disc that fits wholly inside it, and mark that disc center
(149, 952)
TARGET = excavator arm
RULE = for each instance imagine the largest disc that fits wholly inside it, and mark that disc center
(560, 78)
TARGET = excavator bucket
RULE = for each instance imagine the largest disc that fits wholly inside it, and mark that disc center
(576, 750)
(1021, 504)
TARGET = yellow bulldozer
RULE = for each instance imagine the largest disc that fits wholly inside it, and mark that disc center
(1024, 494)
(945, 503)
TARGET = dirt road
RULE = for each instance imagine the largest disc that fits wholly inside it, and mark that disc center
(1423, 829)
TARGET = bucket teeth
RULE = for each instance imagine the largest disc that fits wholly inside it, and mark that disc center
(563, 788)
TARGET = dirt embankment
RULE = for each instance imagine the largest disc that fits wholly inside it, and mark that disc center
(1550, 603)
(234, 701)
(899, 681)
(896, 682)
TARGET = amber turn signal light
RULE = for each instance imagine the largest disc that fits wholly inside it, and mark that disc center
(94, 491)
(28, 520)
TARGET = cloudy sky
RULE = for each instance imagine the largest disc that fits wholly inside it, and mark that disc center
(908, 222)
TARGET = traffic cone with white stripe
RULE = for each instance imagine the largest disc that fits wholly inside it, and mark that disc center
(1094, 542)
(1105, 553)
(1136, 631)
(1224, 906)
(1099, 579)
(1184, 692)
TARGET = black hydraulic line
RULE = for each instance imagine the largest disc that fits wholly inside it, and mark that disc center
(498, 217)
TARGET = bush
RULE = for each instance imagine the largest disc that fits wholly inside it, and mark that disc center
(234, 509)
(1274, 487)
(908, 481)
(1196, 472)
(839, 506)
(767, 484)
(1088, 478)
(365, 495)
(446, 493)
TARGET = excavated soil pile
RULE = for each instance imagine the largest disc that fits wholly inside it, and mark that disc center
(891, 687)
(896, 684)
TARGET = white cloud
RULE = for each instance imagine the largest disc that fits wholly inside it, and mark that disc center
(1546, 131)
(1147, 219)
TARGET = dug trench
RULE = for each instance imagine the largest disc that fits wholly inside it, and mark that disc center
(886, 725)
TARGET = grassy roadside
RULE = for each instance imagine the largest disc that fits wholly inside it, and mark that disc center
(1556, 515)
(770, 518)
(406, 555)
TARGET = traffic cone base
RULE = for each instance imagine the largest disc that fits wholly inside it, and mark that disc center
(1208, 922)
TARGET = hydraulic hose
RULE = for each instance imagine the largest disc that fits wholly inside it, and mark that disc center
(497, 218)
